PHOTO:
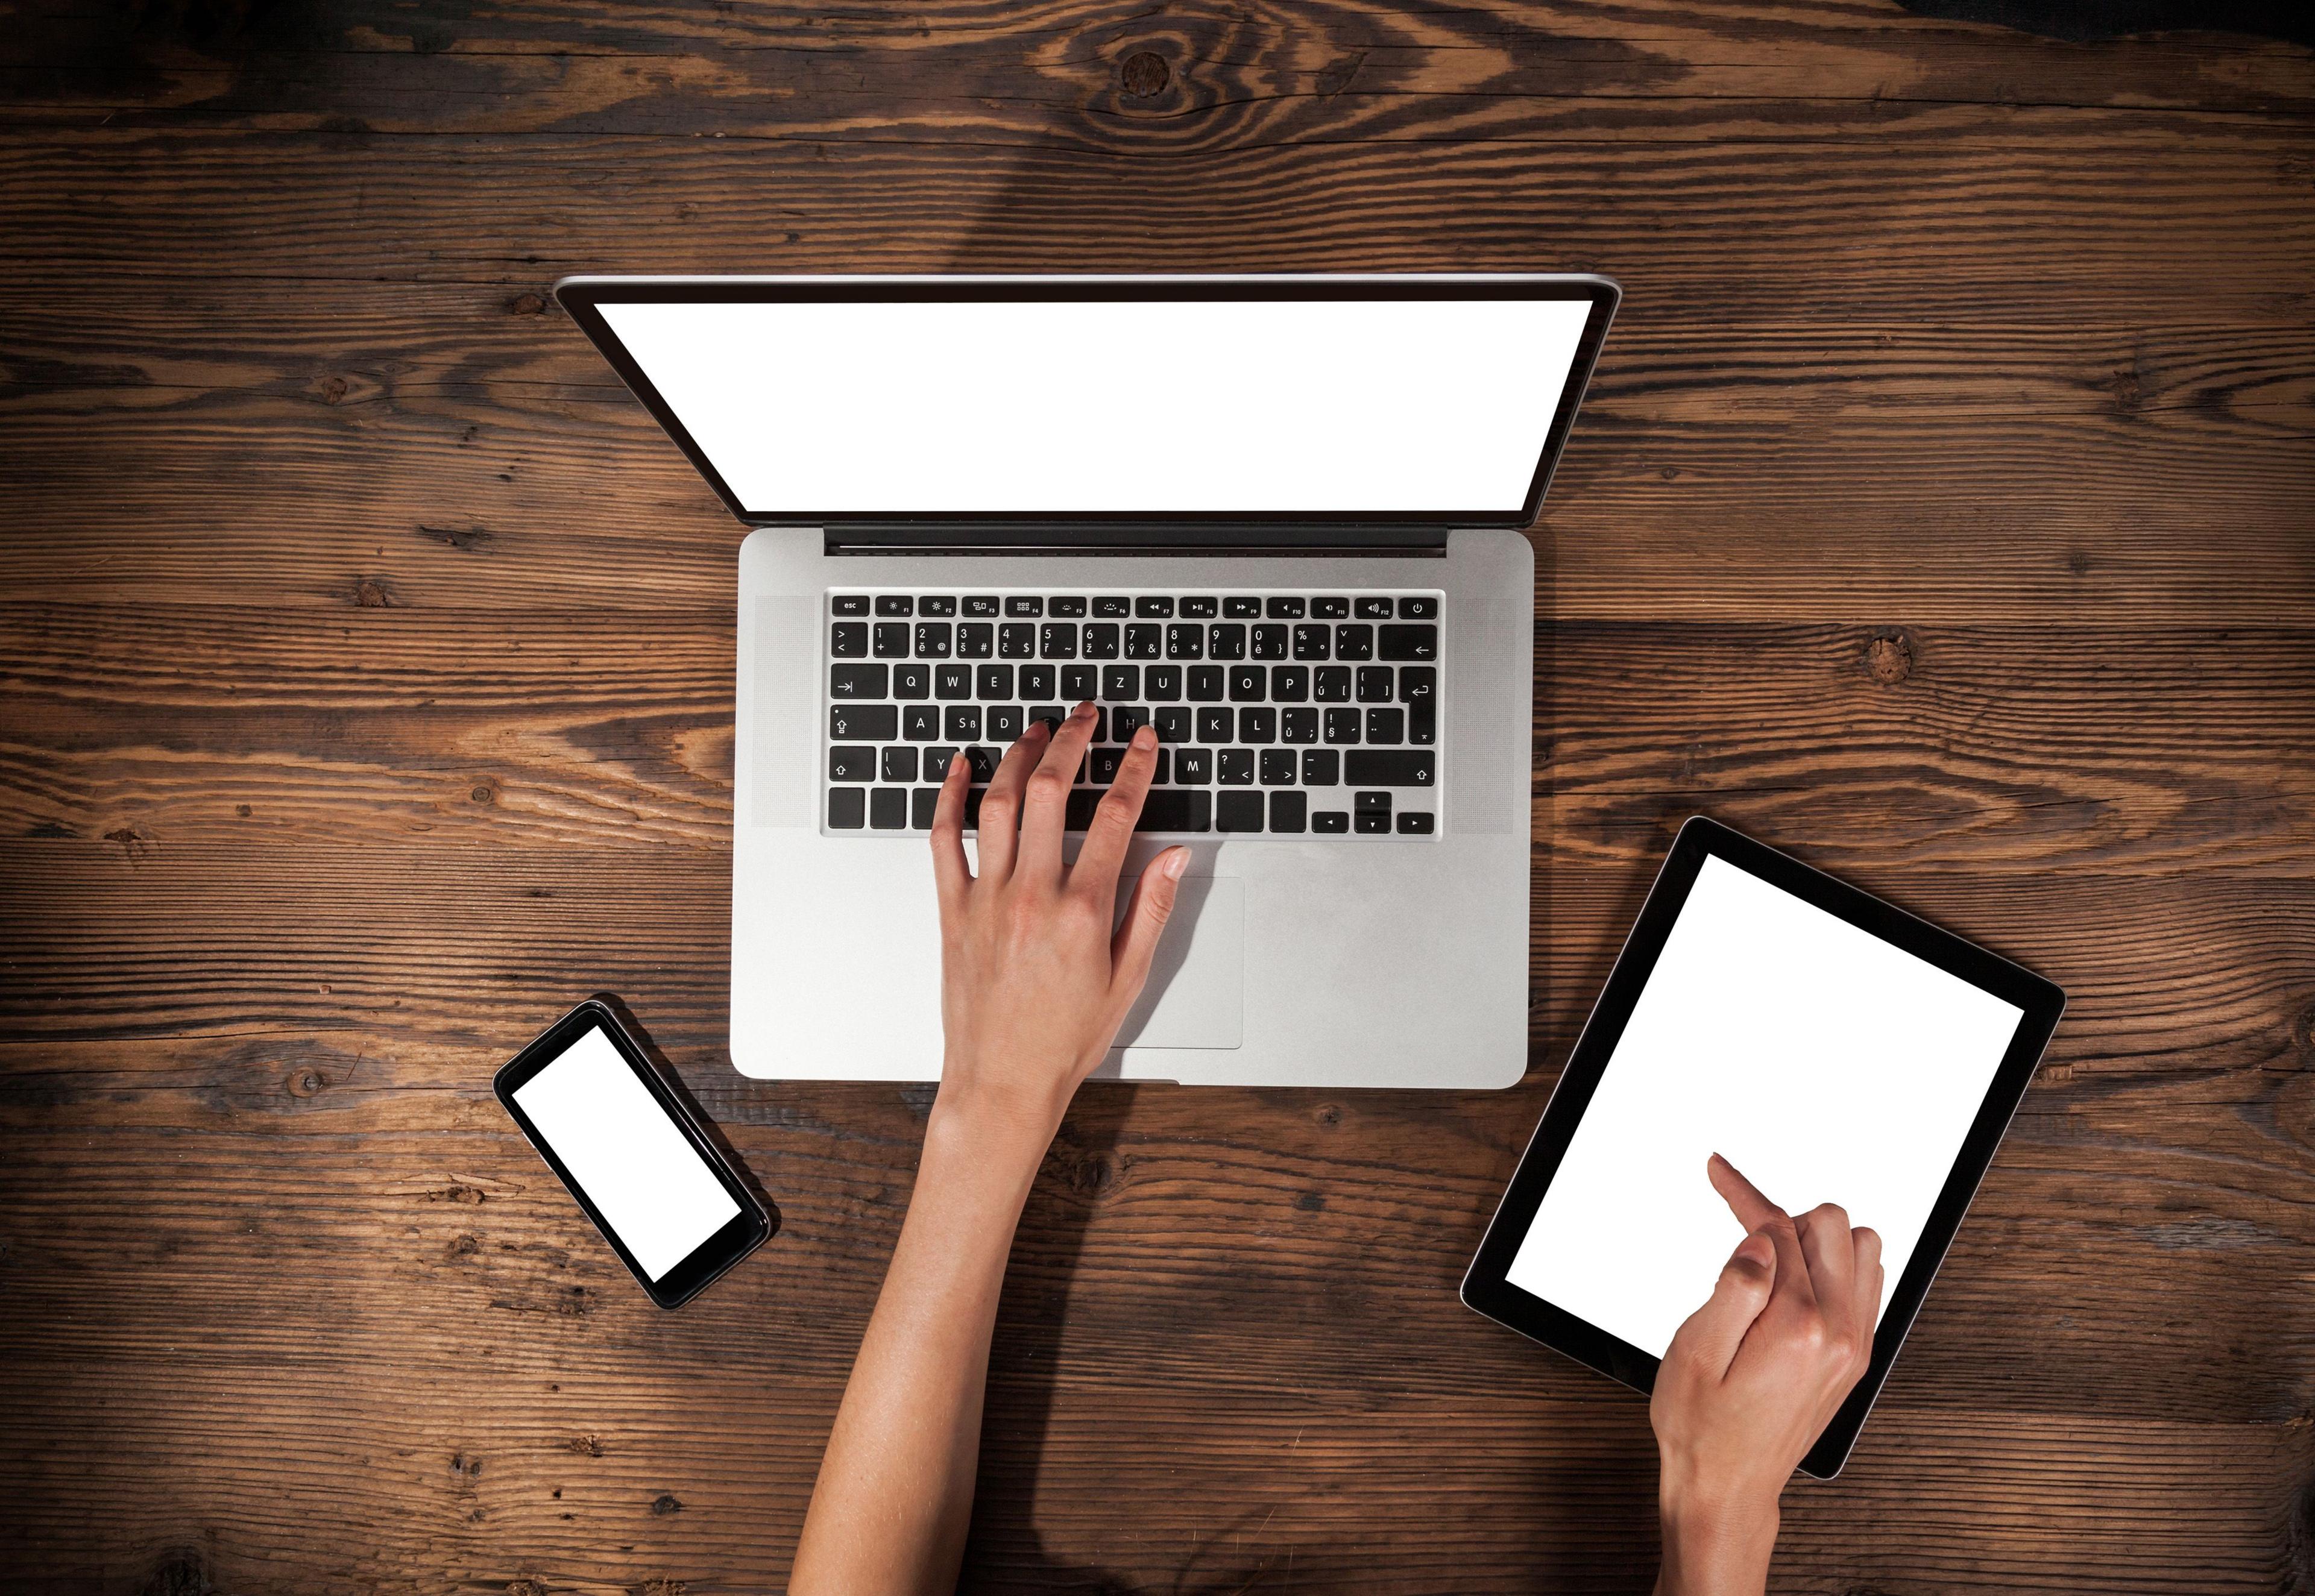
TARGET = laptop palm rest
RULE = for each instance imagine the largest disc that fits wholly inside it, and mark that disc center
(1196, 994)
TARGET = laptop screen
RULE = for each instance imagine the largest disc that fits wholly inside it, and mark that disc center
(1375, 399)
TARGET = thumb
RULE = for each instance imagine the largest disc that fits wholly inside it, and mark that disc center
(1713, 1332)
(1136, 942)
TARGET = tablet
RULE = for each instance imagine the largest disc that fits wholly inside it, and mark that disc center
(1833, 1048)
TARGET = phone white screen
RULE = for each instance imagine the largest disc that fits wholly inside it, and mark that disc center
(1152, 407)
(623, 1150)
(1824, 1063)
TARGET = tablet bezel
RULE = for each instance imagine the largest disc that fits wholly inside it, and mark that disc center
(1486, 1287)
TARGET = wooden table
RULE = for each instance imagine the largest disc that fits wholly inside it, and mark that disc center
(1942, 511)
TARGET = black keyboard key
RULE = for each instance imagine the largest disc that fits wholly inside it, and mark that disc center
(1422, 721)
(1285, 609)
(1289, 683)
(1066, 609)
(1248, 684)
(1269, 642)
(1354, 642)
(991, 682)
(951, 681)
(1162, 684)
(1103, 763)
(936, 605)
(975, 640)
(1418, 683)
(1217, 725)
(1389, 767)
(1329, 609)
(1415, 823)
(1112, 607)
(981, 604)
(972, 796)
(1173, 722)
(1199, 609)
(1125, 720)
(1100, 724)
(1298, 723)
(901, 764)
(1080, 682)
(892, 640)
(858, 681)
(934, 640)
(1003, 723)
(1418, 609)
(848, 604)
(1371, 609)
(1234, 767)
(1205, 684)
(1371, 802)
(1257, 725)
(1192, 766)
(1242, 609)
(1322, 767)
(983, 761)
(1186, 641)
(1037, 682)
(1121, 682)
(1101, 640)
(848, 808)
(1226, 640)
(1386, 725)
(912, 681)
(851, 762)
(1145, 642)
(920, 722)
(895, 603)
(1313, 643)
(1176, 811)
(922, 803)
(1374, 684)
(1154, 610)
(1277, 766)
(1373, 825)
(1342, 725)
(1410, 642)
(888, 809)
(1025, 609)
(1238, 811)
(864, 723)
(1287, 811)
(1056, 640)
(849, 640)
(962, 723)
(1164, 770)
(1331, 684)
(936, 763)
(1331, 819)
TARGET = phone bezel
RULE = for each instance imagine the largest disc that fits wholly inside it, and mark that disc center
(746, 1231)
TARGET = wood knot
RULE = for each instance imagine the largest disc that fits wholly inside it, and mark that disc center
(469, 1196)
(1310, 1202)
(1889, 657)
(178, 1574)
(481, 794)
(464, 1247)
(307, 1083)
(527, 305)
(333, 389)
(585, 1446)
(524, 1587)
(1145, 75)
(1329, 1115)
(666, 1504)
(374, 593)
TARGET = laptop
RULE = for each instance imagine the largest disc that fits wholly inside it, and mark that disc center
(1277, 518)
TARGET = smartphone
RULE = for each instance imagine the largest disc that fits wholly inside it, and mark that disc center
(663, 1194)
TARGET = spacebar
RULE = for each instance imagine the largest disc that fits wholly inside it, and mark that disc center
(1165, 809)
(1388, 767)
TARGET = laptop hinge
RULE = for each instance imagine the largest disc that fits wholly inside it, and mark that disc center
(1143, 539)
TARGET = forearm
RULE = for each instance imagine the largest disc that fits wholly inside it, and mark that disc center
(895, 1490)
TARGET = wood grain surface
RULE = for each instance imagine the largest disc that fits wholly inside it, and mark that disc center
(1944, 509)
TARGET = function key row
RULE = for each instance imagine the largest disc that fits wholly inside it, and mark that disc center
(1410, 642)
(1364, 607)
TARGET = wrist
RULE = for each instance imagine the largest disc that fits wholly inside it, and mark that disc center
(1003, 1127)
(1715, 1542)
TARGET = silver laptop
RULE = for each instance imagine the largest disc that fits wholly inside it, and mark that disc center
(1279, 518)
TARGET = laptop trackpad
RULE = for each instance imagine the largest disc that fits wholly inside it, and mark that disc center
(1197, 982)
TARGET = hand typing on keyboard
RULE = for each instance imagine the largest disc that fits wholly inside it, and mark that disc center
(1034, 985)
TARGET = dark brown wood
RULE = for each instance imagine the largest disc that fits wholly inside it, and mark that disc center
(1942, 511)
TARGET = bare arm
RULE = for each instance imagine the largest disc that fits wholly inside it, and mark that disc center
(1033, 987)
(1751, 1381)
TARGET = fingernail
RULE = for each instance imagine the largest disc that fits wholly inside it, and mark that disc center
(1144, 738)
(1176, 863)
(1083, 711)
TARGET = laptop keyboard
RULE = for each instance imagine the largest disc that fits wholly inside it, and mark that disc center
(1288, 713)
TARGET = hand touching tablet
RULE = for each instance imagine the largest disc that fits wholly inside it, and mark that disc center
(1751, 1380)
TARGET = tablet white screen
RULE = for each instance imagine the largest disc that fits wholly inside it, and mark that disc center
(1825, 1064)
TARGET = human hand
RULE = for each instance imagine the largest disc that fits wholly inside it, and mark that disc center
(1033, 982)
(1751, 1380)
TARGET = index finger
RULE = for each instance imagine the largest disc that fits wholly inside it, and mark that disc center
(1045, 810)
(1755, 1211)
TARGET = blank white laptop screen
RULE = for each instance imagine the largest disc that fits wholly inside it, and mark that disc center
(625, 1154)
(1115, 407)
(1825, 1064)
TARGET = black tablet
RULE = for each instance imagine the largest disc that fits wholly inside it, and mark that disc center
(1833, 1048)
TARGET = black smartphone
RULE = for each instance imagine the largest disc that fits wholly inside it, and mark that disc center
(663, 1194)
